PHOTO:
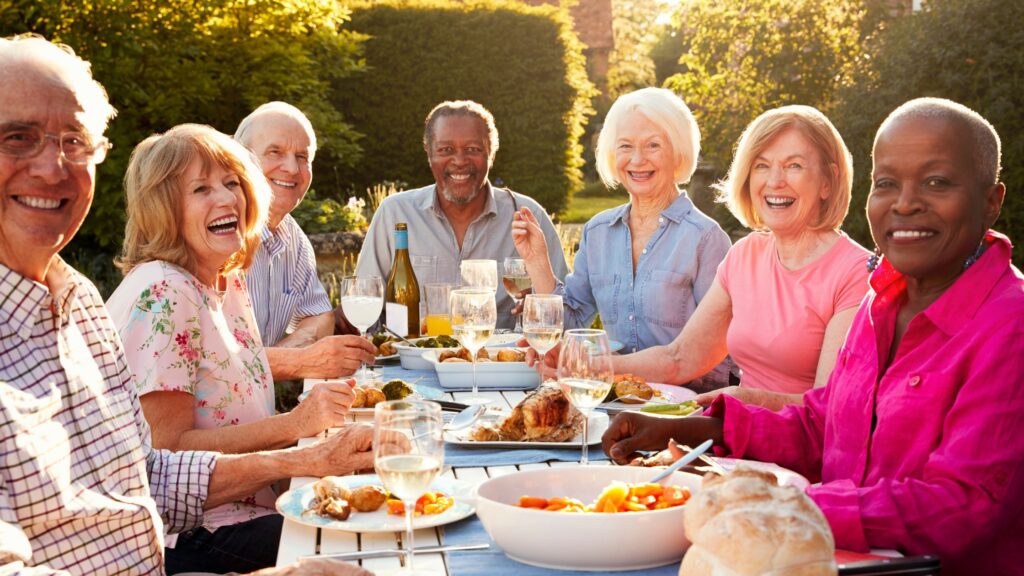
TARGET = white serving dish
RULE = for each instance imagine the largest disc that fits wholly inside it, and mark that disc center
(412, 356)
(584, 541)
(489, 375)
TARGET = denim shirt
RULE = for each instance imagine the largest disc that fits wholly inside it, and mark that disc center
(675, 271)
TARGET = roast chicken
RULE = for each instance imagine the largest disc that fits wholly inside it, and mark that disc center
(545, 415)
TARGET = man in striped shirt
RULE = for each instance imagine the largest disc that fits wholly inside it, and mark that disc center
(82, 491)
(282, 280)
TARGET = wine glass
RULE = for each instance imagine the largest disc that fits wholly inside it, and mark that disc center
(479, 274)
(474, 315)
(542, 322)
(408, 452)
(517, 283)
(585, 372)
(362, 300)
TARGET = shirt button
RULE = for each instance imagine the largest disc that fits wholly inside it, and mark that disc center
(662, 220)
(644, 251)
(915, 380)
(631, 317)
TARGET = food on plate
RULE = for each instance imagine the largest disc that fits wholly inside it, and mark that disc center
(545, 415)
(331, 498)
(745, 523)
(396, 389)
(330, 487)
(461, 354)
(437, 342)
(454, 359)
(387, 349)
(428, 504)
(617, 497)
(368, 498)
(511, 355)
(630, 385)
(359, 399)
(367, 397)
(681, 409)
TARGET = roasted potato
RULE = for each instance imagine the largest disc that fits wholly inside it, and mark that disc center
(511, 355)
(368, 498)
(335, 508)
(386, 349)
(449, 354)
(451, 359)
(628, 384)
(373, 396)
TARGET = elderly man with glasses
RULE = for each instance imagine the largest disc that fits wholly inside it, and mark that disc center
(81, 489)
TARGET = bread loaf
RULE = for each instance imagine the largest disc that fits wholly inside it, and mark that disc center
(744, 523)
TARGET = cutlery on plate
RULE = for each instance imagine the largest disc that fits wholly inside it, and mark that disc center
(395, 334)
(466, 418)
(693, 455)
(397, 552)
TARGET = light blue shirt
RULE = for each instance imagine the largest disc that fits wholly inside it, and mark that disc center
(675, 270)
(283, 283)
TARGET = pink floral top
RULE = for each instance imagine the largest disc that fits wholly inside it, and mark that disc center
(183, 336)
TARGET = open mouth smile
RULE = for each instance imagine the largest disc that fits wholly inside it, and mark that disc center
(779, 201)
(40, 203)
(224, 226)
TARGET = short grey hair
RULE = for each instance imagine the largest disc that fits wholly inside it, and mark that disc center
(59, 64)
(462, 108)
(986, 144)
(664, 108)
(244, 132)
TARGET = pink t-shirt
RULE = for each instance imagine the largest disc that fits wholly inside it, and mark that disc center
(779, 316)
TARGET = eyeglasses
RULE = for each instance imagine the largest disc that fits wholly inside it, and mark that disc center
(24, 141)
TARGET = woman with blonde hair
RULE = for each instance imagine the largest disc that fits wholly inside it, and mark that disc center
(196, 205)
(643, 266)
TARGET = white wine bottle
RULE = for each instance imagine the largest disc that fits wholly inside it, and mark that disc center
(402, 297)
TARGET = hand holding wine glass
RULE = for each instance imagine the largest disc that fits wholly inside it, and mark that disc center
(362, 300)
(585, 372)
(474, 315)
(517, 283)
(408, 452)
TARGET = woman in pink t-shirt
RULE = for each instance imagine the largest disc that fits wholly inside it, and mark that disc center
(786, 294)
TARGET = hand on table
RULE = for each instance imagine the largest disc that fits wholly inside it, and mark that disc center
(325, 407)
(349, 450)
(753, 396)
(632, 431)
(315, 567)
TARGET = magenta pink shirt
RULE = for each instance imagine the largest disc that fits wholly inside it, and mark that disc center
(779, 316)
(941, 471)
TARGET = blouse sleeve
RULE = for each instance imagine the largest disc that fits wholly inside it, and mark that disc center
(162, 337)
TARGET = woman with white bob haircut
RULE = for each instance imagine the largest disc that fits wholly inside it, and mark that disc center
(643, 266)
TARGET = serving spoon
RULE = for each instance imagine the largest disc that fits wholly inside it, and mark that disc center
(693, 455)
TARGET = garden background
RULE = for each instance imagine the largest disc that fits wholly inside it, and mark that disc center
(367, 72)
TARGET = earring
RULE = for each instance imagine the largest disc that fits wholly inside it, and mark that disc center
(974, 257)
(873, 261)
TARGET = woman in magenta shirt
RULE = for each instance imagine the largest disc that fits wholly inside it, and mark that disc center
(918, 440)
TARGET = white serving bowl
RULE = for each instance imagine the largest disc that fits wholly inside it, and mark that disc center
(489, 375)
(582, 541)
(412, 356)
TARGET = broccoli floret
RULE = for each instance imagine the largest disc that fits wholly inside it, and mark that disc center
(396, 390)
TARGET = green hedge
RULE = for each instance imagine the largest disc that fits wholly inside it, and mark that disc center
(523, 63)
(964, 50)
(174, 61)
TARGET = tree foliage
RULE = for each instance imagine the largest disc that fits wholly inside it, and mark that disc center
(964, 50)
(174, 61)
(523, 63)
(630, 66)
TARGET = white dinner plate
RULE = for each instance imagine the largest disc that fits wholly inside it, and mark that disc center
(596, 426)
(669, 393)
(786, 476)
(293, 503)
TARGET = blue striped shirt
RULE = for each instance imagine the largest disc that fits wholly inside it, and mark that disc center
(283, 283)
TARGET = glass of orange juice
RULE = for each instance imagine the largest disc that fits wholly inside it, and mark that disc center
(439, 321)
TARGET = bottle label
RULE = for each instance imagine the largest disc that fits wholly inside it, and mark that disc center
(397, 318)
(401, 239)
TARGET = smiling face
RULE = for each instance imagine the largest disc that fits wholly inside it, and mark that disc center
(43, 200)
(459, 157)
(788, 183)
(282, 146)
(928, 207)
(644, 158)
(212, 216)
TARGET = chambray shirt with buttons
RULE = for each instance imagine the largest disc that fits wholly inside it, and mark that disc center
(923, 453)
(674, 272)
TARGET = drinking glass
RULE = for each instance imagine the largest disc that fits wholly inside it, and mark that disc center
(479, 274)
(408, 452)
(439, 317)
(474, 315)
(585, 372)
(517, 283)
(542, 322)
(362, 300)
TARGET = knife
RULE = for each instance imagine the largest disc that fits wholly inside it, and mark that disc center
(362, 554)
(447, 405)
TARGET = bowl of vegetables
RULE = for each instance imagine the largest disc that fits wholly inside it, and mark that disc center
(412, 356)
(602, 518)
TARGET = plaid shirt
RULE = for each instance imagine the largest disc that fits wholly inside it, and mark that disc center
(81, 489)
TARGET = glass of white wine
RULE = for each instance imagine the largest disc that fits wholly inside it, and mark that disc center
(474, 315)
(542, 322)
(408, 452)
(362, 300)
(517, 282)
(585, 372)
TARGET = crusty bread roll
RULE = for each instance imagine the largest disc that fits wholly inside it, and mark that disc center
(744, 523)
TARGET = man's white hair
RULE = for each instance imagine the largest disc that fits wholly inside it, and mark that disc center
(986, 145)
(58, 63)
(244, 133)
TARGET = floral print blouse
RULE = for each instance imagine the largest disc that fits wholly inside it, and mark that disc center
(183, 336)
